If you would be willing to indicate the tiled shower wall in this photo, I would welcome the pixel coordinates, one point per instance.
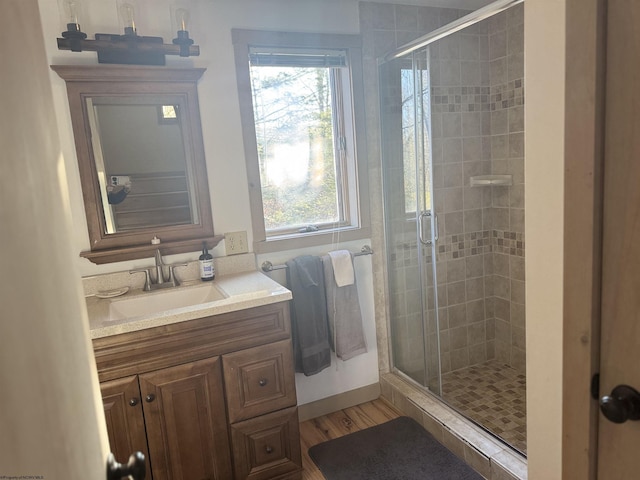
(462, 149)
(506, 287)
(478, 128)
(477, 124)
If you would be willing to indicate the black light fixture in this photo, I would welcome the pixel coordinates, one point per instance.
(129, 48)
(181, 17)
(71, 11)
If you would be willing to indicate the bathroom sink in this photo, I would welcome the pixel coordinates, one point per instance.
(162, 301)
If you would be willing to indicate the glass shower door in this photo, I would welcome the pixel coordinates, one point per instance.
(409, 223)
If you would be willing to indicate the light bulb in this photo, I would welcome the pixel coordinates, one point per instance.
(71, 12)
(182, 18)
(127, 13)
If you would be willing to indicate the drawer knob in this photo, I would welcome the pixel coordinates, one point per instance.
(262, 382)
(150, 398)
(133, 402)
(268, 449)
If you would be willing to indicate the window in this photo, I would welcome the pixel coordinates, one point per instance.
(301, 142)
(416, 139)
(168, 113)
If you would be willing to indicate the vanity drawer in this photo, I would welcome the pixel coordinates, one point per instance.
(164, 346)
(259, 380)
(267, 447)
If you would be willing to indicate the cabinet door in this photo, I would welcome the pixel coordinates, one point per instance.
(186, 423)
(125, 423)
(259, 380)
(268, 446)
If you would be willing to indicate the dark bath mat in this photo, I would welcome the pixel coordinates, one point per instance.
(397, 450)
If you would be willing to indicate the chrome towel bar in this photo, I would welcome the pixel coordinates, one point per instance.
(267, 266)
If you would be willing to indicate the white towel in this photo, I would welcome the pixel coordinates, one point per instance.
(342, 267)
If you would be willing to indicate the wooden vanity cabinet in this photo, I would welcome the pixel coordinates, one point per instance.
(259, 381)
(178, 413)
(219, 409)
(268, 446)
(124, 417)
(185, 421)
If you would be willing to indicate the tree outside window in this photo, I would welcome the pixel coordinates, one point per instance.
(296, 146)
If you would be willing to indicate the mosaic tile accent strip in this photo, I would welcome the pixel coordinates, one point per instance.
(464, 245)
(510, 94)
(460, 99)
(511, 243)
(478, 243)
(492, 395)
(451, 247)
(404, 254)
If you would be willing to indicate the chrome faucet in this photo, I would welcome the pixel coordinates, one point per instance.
(159, 268)
(159, 280)
(147, 279)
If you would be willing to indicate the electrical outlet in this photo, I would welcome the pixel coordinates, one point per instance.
(235, 242)
(120, 180)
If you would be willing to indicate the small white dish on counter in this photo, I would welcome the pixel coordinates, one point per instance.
(116, 292)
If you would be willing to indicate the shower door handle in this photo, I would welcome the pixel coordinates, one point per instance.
(435, 228)
(422, 215)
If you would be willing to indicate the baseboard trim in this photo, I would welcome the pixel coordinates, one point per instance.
(334, 403)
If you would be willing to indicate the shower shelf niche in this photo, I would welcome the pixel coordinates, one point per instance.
(491, 180)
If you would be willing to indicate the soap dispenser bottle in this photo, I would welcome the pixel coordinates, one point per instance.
(207, 272)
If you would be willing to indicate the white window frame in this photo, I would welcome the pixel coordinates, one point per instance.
(356, 225)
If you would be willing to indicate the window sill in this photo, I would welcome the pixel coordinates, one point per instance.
(311, 239)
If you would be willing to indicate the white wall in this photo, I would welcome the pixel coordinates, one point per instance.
(462, 4)
(134, 142)
(544, 203)
(51, 422)
(356, 372)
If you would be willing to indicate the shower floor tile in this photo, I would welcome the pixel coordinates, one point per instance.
(494, 396)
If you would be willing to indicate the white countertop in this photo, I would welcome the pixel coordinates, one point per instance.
(243, 290)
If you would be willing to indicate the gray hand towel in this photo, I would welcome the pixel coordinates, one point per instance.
(310, 330)
(345, 318)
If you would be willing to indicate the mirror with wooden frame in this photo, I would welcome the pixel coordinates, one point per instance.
(141, 158)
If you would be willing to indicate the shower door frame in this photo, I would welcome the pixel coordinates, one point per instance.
(420, 76)
(424, 187)
(387, 187)
(419, 44)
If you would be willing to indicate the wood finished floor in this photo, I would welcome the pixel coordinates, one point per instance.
(340, 423)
